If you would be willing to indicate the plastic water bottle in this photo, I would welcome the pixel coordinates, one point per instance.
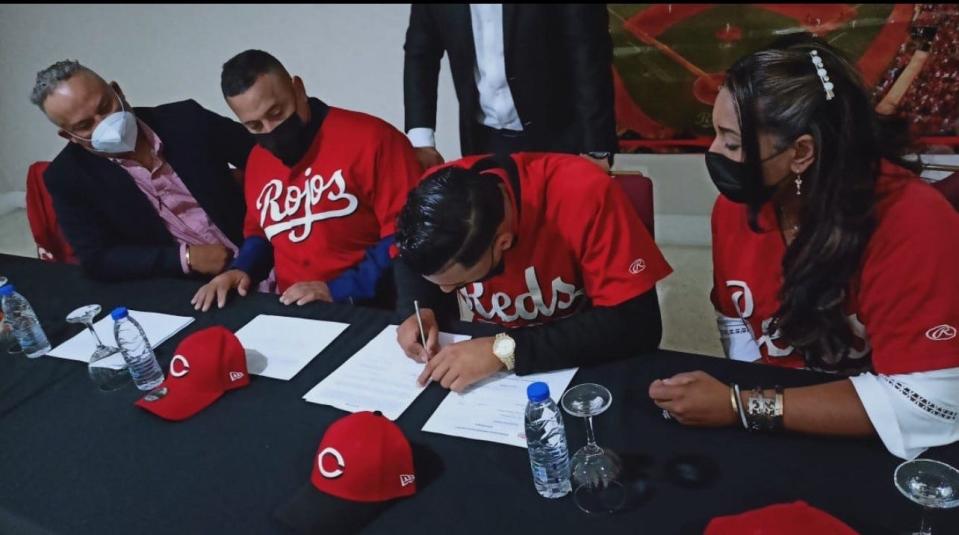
(546, 443)
(23, 320)
(136, 349)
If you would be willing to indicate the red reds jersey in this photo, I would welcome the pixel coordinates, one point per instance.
(577, 238)
(342, 198)
(903, 306)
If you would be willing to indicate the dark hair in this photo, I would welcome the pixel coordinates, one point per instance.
(777, 91)
(242, 70)
(451, 217)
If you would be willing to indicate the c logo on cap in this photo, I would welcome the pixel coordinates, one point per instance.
(340, 463)
(183, 362)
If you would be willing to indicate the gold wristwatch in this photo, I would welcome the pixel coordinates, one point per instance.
(504, 347)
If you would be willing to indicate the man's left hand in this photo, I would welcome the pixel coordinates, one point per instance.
(209, 259)
(302, 293)
(459, 365)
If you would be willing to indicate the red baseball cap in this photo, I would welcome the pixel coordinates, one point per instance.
(796, 518)
(205, 365)
(362, 465)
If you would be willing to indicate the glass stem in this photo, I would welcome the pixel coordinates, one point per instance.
(94, 332)
(591, 446)
(925, 528)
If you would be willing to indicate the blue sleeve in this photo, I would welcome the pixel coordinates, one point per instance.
(255, 257)
(360, 282)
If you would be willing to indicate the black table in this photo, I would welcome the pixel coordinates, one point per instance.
(77, 460)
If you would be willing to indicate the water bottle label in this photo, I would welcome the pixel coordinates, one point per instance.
(539, 473)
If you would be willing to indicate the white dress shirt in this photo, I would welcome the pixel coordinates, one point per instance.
(497, 109)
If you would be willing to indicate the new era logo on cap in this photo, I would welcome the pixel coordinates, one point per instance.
(364, 457)
(205, 365)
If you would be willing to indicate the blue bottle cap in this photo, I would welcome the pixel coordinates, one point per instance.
(119, 313)
(6, 290)
(537, 391)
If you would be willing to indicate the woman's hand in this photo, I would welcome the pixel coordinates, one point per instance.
(695, 398)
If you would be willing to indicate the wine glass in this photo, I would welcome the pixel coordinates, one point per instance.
(107, 368)
(929, 483)
(594, 470)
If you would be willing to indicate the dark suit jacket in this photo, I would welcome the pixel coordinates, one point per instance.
(558, 66)
(115, 231)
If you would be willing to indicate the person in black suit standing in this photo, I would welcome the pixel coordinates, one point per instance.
(528, 77)
(141, 192)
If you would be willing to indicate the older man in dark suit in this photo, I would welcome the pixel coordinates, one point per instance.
(141, 192)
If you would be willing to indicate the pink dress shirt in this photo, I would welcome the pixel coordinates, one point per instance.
(183, 216)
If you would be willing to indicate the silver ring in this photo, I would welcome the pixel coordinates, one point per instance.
(666, 415)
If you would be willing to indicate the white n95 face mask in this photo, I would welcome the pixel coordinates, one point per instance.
(116, 133)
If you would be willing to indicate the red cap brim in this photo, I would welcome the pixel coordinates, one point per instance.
(178, 403)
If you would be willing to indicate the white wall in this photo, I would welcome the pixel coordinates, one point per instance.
(350, 56)
(683, 195)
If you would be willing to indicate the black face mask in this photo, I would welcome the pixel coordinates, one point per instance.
(288, 141)
(736, 180)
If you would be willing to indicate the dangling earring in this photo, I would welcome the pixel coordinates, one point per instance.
(798, 185)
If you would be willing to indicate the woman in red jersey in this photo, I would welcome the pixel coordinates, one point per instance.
(827, 254)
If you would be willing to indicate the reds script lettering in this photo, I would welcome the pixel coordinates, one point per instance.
(527, 305)
(313, 192)
(742, 298)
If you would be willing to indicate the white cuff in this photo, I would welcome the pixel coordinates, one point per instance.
(737, 339)
(421, 137)
(913, 411)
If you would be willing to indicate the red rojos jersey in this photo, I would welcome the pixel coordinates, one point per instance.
(903, 306)
(342, 198)
(577, 238)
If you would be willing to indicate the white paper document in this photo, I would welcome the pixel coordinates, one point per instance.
(158, 328)
(279, 347)
(494, 409)
(379, 377)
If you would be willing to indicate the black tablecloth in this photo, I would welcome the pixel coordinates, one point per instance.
(77, 460)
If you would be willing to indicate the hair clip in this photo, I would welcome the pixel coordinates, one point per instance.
(823, 75)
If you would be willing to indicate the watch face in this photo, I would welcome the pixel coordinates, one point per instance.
(504, 346)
